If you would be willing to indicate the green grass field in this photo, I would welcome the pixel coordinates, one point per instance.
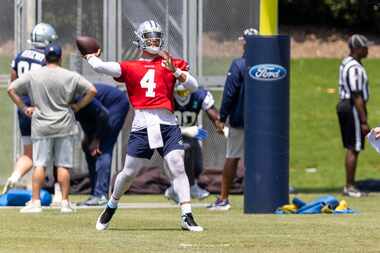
(315, 143)
(157, 230)
(314, 134)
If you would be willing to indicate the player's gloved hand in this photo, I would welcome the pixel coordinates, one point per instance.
(194, 132)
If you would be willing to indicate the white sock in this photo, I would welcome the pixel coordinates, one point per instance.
(185, 208)
(57, 189)
(15, 176)
(112, 202)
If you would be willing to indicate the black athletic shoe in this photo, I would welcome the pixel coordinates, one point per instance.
(105, 218)
(188, 223)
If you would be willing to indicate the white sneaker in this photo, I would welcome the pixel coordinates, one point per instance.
(352, 191)
(33, 206)
(220, 205)
(171, 194)
(197, 192)
(66, 207)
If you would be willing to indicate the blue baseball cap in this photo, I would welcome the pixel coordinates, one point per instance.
(53, 52)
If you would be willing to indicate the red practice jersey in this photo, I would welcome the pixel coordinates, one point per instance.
(149, 83)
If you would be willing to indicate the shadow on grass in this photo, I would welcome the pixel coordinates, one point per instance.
(145, 229)
(367, 185)
(332, 190)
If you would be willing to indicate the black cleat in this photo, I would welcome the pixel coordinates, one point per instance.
(188, 223)
(105, 218)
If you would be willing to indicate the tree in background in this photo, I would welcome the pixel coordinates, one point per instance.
(352, 14)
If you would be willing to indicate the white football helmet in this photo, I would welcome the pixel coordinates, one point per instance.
(42, 35)
(147, 31)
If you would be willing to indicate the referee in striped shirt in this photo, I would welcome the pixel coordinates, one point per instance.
(352, 109)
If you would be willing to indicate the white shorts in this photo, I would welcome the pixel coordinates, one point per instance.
(58, 151)
(235, 143)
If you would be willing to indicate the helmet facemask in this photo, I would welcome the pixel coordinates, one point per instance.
(149, 37)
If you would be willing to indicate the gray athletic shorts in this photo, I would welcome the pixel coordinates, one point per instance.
(58, 151)
(235, 143)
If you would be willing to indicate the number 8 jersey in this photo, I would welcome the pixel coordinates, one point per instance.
(150, 85)
(28, 60)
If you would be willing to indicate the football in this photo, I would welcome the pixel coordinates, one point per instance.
(87, 45)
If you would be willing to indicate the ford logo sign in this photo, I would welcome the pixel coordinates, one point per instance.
(267, 72)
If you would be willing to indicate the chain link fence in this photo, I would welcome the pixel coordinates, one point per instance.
(204, 32)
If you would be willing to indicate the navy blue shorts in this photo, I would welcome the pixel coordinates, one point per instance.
(138, 145)
(24, 122)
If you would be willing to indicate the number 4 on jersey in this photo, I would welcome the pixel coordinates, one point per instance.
(147, 82)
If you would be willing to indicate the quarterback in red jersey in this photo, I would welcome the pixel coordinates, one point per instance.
(150, 82)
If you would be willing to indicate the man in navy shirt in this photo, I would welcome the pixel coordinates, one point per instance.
(187, 107)
(30, 59)
(232, 109)
(101, 122)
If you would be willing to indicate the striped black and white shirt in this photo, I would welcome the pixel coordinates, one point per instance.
(352, 78)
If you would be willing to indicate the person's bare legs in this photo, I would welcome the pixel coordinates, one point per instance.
(37, 180)
(229, 172)
(350, 163)
(23, 165)
(63, 177)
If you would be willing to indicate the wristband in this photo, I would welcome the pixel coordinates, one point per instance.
(177, 73)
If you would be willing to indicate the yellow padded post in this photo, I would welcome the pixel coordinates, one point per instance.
(268, 17)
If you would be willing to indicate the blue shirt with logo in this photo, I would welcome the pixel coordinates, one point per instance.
(233, 94)
(187, 114)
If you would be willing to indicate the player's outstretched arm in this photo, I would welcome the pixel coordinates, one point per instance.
(98, 65)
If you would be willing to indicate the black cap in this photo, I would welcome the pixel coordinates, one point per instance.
(53, 52)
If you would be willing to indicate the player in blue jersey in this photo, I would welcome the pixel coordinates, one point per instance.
(25, 61)
(187, 107)
(101, 121)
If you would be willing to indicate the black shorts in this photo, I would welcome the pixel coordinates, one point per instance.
(138, 144)
(349, 122)
(24, 122)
